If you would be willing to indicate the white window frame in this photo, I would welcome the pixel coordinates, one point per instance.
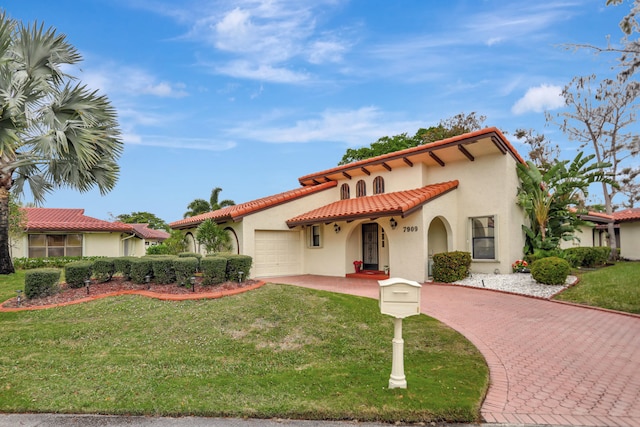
(314, 236)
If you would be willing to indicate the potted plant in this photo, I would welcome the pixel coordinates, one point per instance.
(520, 266)
(357, 265)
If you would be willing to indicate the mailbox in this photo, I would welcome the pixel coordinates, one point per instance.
(399, 298)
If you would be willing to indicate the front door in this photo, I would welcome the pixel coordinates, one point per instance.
(370, 246)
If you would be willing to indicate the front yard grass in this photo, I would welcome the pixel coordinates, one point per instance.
(616, 287)
(279, 351)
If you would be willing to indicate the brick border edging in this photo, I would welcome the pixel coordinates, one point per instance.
(150, 294)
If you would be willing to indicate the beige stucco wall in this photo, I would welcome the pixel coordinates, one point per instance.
(585, 235)
(630, 240)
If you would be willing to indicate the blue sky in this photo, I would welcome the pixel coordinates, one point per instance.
(250, 95)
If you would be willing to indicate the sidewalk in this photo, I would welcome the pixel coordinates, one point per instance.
(550, 363)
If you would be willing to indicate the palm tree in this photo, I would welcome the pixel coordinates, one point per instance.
(200, 206)
(53, 132)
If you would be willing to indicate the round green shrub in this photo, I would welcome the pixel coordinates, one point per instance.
(41, 282)
(550, 271)
(77, 272)
(451, 266)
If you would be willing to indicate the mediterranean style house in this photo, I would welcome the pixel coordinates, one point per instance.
(392, 212)
(629, 223)
(50, 232)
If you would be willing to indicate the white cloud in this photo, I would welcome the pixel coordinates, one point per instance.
(539, 99)
(262, 72)
(353, 127)
(178, 142)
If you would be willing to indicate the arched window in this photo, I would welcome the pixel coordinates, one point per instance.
(361, 189)
(378, 185)
(345, 193)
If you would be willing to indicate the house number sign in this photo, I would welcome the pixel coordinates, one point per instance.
(411, 229)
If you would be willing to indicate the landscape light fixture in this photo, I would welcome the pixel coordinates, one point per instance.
(19, 297)
(87, 282)
(147, 280)
(193, 283)
(240, 273)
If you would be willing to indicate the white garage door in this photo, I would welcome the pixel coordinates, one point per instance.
(278, 253)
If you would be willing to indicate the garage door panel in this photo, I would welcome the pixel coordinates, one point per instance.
(278, 253)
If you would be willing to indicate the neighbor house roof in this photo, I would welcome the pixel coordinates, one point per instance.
(627, 215)
(400, 203)
(464, 147)
(236, 212)
(144, 232)
(59, 219)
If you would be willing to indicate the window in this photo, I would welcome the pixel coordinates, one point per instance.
(53, 245)
(483, 237)
(378, 185)
(361, 189)
(345, 193)
(314, 236)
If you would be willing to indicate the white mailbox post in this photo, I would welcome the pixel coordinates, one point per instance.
(399, 298)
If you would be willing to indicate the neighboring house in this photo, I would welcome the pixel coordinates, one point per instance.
(593, 234)
(395, 210)
(629, 222)
(50, 232)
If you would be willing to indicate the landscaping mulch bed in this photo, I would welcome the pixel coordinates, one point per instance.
(116, 284)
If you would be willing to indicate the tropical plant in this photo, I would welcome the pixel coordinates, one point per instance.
(200, 206)
(54, 132)
(551, 199)
(213, 238)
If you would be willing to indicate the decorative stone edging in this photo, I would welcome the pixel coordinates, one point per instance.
(150, 294)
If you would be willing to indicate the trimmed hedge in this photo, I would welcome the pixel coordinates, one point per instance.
(41, 282)
(587, 256)
(140, 268)
(77, 272)
(185, 268)
(50, 262)
(103, 269)
(122, 265)
(451, 266)
(237, 264)
(163, 270)
(550, 271)
(213, 270)
(195, 255)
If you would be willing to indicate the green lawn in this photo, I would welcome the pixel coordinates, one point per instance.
(616, 287)
(279, 351)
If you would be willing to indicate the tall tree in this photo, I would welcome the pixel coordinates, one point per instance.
(200, 206)
(53, 132)
(597, 119)
(541, 151)
(143, 218)
(457, 125)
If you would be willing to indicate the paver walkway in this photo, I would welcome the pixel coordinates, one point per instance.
(550, 363)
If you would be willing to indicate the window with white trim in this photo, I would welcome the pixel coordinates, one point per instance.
(483, 244)
(315, 236)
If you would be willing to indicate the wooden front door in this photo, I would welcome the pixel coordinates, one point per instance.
(370, 246)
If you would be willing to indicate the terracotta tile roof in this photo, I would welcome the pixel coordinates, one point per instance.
(55, 219)
(144, 232)
(399, 203)
(455, 144)
(627, 215)
(236, 212)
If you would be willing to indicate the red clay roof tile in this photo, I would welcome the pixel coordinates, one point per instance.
(144, 232)
(627, 215)
(235, 212)
(56, 219)
(398, 203)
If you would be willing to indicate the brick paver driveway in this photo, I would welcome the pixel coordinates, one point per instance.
(550, 363)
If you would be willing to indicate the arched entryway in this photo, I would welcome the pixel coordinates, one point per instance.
(437, 239)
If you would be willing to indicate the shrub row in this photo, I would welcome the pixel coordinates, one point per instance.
(163, 269)
(51, 262)
(587, 257)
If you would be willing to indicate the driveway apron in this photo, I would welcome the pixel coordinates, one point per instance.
(550, 363)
